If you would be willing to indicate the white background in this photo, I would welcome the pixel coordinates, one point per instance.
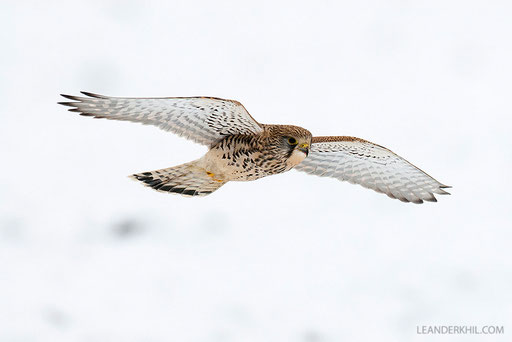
(88, 255)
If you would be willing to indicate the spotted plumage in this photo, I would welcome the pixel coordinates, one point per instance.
(241, 149)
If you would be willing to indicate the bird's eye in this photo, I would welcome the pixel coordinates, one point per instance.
(292, 141)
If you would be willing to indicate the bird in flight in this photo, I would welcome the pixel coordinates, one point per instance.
(241, 149)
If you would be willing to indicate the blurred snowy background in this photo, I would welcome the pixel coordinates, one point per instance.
(88, 255)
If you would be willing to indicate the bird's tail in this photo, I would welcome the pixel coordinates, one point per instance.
(186, 179)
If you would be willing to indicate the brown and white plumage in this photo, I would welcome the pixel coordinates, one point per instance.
(204, 120)
(241, 149)
(375, 167)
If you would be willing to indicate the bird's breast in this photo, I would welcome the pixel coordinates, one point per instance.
(240, 162)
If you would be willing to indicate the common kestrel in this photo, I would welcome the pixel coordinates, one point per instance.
(241, 149)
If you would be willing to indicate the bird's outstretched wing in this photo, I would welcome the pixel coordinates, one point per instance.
(202, 119)
(375, 167)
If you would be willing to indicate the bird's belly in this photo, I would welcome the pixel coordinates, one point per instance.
(226, 166)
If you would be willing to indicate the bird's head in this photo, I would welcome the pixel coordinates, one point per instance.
(291, 142)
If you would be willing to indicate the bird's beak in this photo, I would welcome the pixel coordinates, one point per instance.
(304, 148)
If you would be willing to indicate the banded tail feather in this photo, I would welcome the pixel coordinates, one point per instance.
(186, 179)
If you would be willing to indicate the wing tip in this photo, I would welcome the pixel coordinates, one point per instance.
(98, 96)
(70, 97)
(430, 199)
(81, 99)
(68, 104)
(440, 191)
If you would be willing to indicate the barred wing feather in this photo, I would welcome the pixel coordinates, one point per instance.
(202, 119)
(361, 162)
